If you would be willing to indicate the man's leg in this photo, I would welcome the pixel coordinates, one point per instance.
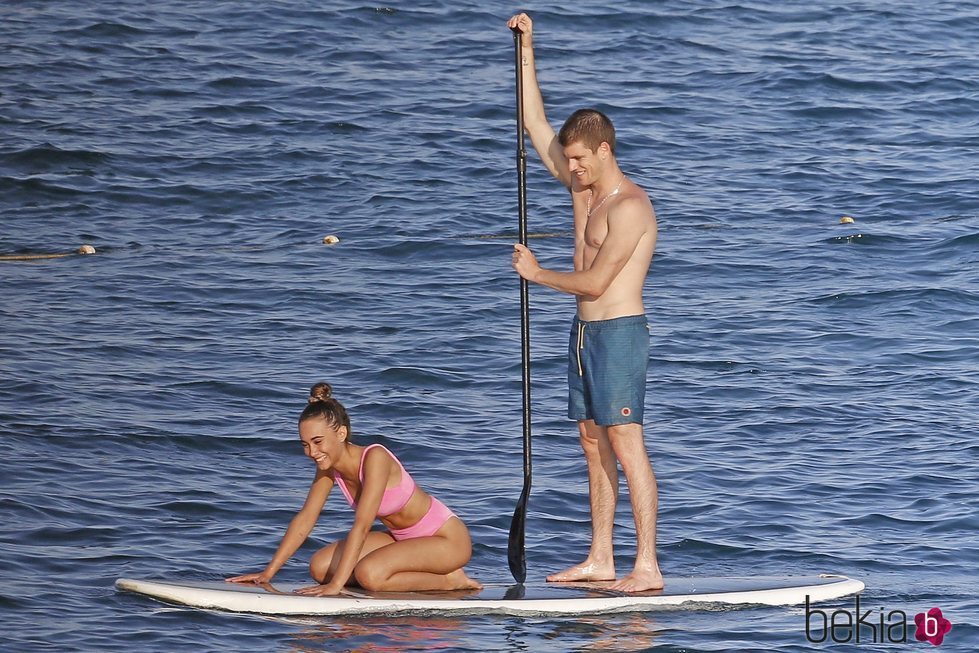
(630, 449)
(603, 491)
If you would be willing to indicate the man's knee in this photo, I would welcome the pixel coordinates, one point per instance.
(626, 433)
(591, 436)
(628, 443)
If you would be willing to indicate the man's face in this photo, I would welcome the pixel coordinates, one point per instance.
(585, 165)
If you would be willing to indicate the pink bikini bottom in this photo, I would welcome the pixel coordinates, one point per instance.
(428, 525)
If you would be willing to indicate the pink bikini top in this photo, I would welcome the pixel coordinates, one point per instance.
(394, 499)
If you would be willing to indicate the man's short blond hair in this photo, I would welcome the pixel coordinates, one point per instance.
(590, 127)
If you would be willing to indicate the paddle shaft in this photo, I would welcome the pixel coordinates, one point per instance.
(516, 555)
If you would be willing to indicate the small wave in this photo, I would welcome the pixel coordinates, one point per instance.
(47, 157)
(836, 113)
(855, 299)
(689, 546)
(868, 239)
(861, 86)
(237, 83)
(104, 29)
(247, 108)
(415, 377)
(966, 242)
(35, 188)
(65, 535)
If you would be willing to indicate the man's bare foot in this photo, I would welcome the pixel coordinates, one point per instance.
(458, 580)
(586, 571)
(639, 581)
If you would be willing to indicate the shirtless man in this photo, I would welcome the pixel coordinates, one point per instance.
(615, 236)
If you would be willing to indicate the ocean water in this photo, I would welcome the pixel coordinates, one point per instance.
(811, 394)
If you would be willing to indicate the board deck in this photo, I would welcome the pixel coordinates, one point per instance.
(535, 599)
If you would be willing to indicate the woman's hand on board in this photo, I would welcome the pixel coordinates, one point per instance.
(259, 578)
(329, 589)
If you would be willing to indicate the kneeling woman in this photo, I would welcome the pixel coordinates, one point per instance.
(425, 546)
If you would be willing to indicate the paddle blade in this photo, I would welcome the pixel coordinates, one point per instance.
(516, 556)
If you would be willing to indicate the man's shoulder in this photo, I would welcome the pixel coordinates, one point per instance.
(635, 190)
(634, 203)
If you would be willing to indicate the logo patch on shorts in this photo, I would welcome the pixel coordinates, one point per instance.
(626, 411)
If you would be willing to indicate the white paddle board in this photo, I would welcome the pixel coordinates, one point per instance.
(548, 599)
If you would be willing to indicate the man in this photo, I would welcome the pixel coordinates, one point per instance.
(615, 236)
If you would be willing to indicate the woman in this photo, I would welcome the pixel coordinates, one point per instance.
(425, 546)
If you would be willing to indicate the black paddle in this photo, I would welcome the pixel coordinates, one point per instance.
(516, 555)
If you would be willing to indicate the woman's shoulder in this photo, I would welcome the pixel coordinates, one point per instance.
(378, 455)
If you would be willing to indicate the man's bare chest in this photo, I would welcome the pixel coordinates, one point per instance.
(594, 231)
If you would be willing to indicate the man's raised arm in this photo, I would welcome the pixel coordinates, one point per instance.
(535, 121)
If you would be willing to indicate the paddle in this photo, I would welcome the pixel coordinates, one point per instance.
(516, 555)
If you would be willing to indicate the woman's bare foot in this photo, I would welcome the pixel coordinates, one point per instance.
(586, 571)
(458, 580)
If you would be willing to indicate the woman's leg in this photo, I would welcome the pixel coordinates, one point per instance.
(324, 562)
(421, 563)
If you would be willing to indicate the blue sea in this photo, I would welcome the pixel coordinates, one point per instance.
(812, 388)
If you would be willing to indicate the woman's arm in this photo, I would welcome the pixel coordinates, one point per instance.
(378, 466)
(299, 529)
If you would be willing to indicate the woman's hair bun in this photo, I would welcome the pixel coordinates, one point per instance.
(322, 405)
(320, 392)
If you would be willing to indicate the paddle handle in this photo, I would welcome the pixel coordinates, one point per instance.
(524, 285)
(516, 551)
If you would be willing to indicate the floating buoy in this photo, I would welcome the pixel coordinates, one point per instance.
(86, 249)
(847, 220)
(330, 240)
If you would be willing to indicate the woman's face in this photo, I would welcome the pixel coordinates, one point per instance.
(322, 442)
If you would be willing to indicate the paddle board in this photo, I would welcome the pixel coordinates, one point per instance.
(531, 599)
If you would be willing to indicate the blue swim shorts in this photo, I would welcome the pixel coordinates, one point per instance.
(607, 362)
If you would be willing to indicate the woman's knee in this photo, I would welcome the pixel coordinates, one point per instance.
(370, 577)
(457, 544)
(321, 563)
(319, 570)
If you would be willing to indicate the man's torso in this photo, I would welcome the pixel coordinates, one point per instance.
(624, 295)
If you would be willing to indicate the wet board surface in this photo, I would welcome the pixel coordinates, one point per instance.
(537, 599)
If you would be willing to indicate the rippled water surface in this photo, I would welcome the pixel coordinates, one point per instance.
(812, 386)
